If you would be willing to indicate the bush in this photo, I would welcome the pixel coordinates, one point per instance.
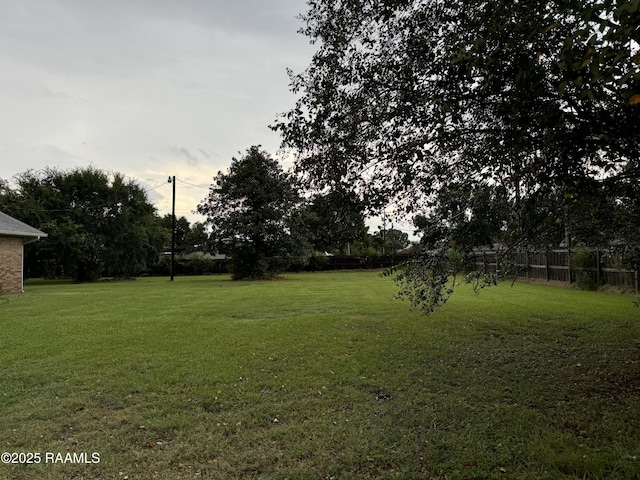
(196, 263)
(318, 262)
(582, 263)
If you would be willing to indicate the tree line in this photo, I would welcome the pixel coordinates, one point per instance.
(102, 224)
(97, 223)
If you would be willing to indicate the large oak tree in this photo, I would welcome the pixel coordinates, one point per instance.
(530, 103)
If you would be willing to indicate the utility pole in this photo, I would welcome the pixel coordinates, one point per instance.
(393, 246)
(384, 232)
(172, 180)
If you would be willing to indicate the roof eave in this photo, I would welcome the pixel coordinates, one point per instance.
(26, 240)
(27, 237)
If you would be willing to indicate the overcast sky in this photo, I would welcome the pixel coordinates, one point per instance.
(148, 88)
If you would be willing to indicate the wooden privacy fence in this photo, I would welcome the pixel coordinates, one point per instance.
(599, 265)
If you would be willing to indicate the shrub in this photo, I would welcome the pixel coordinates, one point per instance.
(582, 263)
(318, 262)
(196, 263)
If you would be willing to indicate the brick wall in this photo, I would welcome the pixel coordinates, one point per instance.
(11, 264)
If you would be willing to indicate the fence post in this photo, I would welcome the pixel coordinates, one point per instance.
(546, 264)
(598, 267)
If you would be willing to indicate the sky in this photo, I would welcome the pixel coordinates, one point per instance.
(147, 88)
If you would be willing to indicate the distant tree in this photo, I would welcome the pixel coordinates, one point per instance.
(336, 219)
(97, 223)
(391, 240)
(189, 237)
(198, 238)
(466, 214)
(182, 229)
(253, 212)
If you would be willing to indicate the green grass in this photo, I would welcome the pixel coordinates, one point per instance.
(318, 376)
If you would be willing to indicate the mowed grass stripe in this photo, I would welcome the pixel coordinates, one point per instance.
(319, 376)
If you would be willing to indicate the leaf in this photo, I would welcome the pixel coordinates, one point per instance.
(562, 87)
(635, 99)
(625, 78)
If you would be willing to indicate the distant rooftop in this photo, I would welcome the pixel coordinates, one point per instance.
(16, 228)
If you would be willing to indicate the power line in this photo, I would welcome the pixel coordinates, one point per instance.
(155, 188)
(192, 184)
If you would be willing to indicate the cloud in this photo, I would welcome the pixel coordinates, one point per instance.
(206, 154)
(148, 88)
(44, 92)
(191, 159)
(22, 155)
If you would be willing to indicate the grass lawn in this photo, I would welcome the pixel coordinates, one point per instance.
(317, 376)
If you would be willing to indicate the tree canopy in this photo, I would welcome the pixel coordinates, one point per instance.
(404, 97)
(254, 216)
(189, 237)
(391, 241)
(97, 223)
(336, 219)
(462, 110)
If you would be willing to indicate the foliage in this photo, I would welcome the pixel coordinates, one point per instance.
(198, 263)
(181, 231)
(189, 237)
(391, 240)
(336, 219)
(466, 214)
(366, 247)
(318, 262)
(254, 215)
(459, 110)
(97, 223)
(195, 263)
(582, 263)
(428, 278)
(198, 238)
